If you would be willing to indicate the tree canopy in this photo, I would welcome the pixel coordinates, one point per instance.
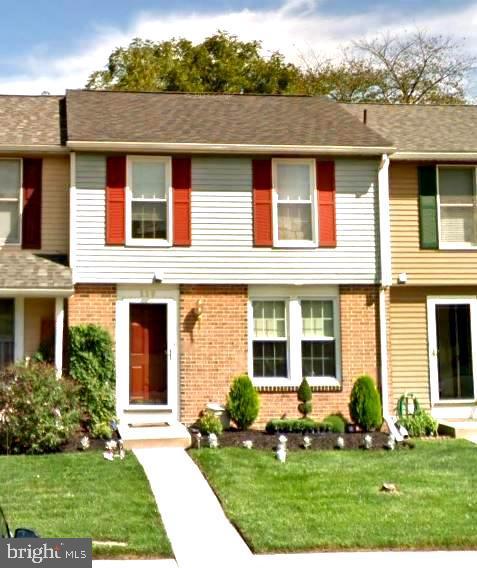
(415, 68)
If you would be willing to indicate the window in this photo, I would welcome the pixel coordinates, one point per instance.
(10, 187)
(318, 339)
(294, 338)
(457, 206)
(148, 196)
(269, 339)
(294, 202)
(7, 324)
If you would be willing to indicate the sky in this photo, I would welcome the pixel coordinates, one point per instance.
(53, 45)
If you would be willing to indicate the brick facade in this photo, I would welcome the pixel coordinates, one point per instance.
(212, 354)
(213, 350)
(93, 303)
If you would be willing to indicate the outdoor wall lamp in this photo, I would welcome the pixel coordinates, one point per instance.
(199, 310)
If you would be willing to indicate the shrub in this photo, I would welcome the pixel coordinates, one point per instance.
(208, 423)
(298, 426)
(92, 367)
(419, 424)
(38, 411)
(304, 396)
(365, 404)
(243, 402)
(337, 423)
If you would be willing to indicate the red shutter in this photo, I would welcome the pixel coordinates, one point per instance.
(181, 193)
(325, 175)
(31, 215)
(262, 202)
(115, 200)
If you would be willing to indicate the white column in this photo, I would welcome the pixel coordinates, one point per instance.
(19, 329)
(59, 325)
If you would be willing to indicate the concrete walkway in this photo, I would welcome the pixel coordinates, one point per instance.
(200, 534)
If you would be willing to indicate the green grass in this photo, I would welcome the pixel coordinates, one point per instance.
(83, 495)
(330, 500)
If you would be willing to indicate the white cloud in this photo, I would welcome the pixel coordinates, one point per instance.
(296, 27)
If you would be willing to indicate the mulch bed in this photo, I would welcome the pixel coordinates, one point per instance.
(323, 441)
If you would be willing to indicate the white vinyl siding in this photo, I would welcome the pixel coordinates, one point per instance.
(222, 248)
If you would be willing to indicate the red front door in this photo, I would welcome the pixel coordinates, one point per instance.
(148, 354)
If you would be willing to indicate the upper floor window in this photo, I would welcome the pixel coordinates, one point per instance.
(148, 208)
(10, 191)
(295, 202)
(457, 206)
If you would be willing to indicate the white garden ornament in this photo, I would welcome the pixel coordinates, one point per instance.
(368, 442)
(281, 454)
(306, 442)
(247, 444)
(213, 441)
(391, 442)
(84, 443)
(340, 443)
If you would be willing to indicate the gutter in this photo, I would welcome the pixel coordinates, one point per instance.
(199, 148)
(435, 156)
(33, 149)
(37, 292)
(386, 281)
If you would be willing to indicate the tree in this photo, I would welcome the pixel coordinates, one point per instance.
(415, 68)
(221, 63)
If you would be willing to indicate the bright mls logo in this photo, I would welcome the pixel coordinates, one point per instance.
(46, 552)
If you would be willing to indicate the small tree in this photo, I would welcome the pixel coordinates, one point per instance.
(92, 367)
(304, 396)
(243, 402)
(365, 405)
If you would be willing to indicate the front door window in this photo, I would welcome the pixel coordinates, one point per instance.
(454, 351)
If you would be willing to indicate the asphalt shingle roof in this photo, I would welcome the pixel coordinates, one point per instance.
(111, 116)
(422, 128)
(31, 120)
(22, 269)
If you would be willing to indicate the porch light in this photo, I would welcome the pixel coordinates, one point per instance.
(199, 310)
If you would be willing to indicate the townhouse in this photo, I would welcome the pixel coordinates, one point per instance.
(35, 278)
(220, 234)
(433, 296)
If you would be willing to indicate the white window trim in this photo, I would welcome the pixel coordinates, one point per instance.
(294, 338)
(442, 244)
(314, 204)
(3, 242)
(167, 161)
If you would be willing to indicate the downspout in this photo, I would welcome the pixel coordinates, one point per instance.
(386, 279)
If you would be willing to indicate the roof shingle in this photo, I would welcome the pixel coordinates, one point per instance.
(422, 128)
(111, 116)
(31, 120)
(25, 270)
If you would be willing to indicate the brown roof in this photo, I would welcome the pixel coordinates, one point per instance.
(22, 269)
(422, 128)
(213, 119)
(31, 120)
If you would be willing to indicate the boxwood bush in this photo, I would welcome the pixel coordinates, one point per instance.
(92, 367)
(243, 402)
(38, 411)
(337, 423)
(296, 426)
(365, 405)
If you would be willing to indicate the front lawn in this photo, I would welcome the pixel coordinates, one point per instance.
(331, 500)
(83, 495)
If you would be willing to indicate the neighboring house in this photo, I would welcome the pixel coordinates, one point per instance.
(433, 206)
(219, 234)
(34, 274)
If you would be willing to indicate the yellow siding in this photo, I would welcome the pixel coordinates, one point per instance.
(55, 210)
(421, 266)
(408, 338)
(35, 310)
